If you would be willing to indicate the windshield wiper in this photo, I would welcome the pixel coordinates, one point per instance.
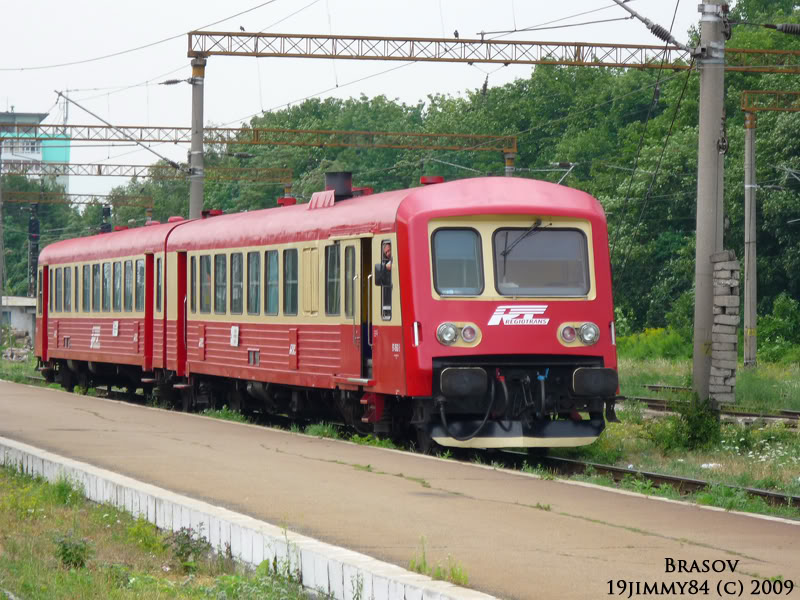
(531, 229)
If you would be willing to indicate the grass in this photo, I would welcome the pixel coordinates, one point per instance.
(54, 544)
(226, 414)
(452, 571)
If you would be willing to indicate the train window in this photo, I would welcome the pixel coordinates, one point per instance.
(77, 292)
(51, 291)
(159, 283)
(237, 283)
(290, 282)
(220, 284)
(541, 262)
(271, 283)
(333, 283)
(87, 285)
(116, 276)
(59, 288)
(205, 284)
(139, 286)
(95, 288)
(253, 283)
(39, 296)
(349, 279)
(128, 286)
(67, 289)
(457, 262)
(106, 287)
(193, 284)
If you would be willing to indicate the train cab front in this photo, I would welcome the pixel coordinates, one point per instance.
(515, 334)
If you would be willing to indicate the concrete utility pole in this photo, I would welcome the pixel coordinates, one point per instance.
(196, 152)
(711, 64)
(750, 272)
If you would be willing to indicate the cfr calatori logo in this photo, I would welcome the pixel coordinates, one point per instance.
(523, 314)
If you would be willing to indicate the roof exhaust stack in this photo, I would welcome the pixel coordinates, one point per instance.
(341, 182)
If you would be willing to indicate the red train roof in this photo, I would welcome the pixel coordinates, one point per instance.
(108, 245)
(366, 214)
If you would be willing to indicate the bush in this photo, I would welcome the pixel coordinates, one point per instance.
(655, 343)
(696, 426)
(779, 332)
(189, 547)
(73, 553)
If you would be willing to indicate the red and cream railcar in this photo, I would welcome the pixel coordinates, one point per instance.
(99, 308)
(476, 312)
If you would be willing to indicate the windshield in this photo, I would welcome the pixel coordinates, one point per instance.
(457, 262)
(541, 262)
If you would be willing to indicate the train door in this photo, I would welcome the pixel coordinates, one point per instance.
(353, 324)
(182, 300)
(42, 310)
(365, 286)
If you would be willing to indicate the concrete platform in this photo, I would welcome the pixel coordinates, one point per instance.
(516, 536)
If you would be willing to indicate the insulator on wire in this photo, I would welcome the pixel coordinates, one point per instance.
(661, 33)
(790, 28)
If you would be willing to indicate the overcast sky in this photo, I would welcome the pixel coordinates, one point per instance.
(123, 89)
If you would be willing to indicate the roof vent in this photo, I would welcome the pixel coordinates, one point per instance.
(211, 212)
(175, 219)
(431, 179)
(341, 182)
(362, 191)
(120, 227)
(149, 223)
(287, 201)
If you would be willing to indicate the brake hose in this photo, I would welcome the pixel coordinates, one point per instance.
(466, 438)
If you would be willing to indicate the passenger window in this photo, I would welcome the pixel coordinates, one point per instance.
(253, 283)
(139, 295)
(39, 295)
(95, 288)
(271, 307)
(193, 285)
(59, 289)
(117, 284)
(205, 284)
(106, 287)
(67, 289)
(237, 283)
(159, 283)
(87, 288)
(220, 284)
(290, 282)
(349, 279)
(333, 289)
(128, 285)
(386, 280)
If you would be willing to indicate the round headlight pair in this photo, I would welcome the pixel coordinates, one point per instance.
(447, 333)
(588, 333)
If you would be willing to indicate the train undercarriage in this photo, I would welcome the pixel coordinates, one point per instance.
(477, 402)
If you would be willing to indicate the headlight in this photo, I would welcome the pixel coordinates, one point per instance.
(568, 334)
(447, 333)
(469, 333)
(589, 333)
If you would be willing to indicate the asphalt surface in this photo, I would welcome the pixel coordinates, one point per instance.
(515, 536)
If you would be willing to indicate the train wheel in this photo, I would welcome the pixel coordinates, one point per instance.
(67, 378)
(425, 443)
(186, 400)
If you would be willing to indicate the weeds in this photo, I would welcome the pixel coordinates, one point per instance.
(226, 414)
(189, 547)
(452, 572)
(371, 440)
(72, 552)
(323, 430)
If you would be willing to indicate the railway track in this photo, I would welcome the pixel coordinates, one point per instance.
(790, 417)
(569, 467)
(684, 485)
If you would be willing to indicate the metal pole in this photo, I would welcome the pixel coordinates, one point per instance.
(2, 245)
(510, 156)
(750, 268)
(196, 153)
(711, 64)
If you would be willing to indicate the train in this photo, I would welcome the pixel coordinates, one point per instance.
(473, 313)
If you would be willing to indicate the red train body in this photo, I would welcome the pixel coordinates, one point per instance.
(477, 312)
